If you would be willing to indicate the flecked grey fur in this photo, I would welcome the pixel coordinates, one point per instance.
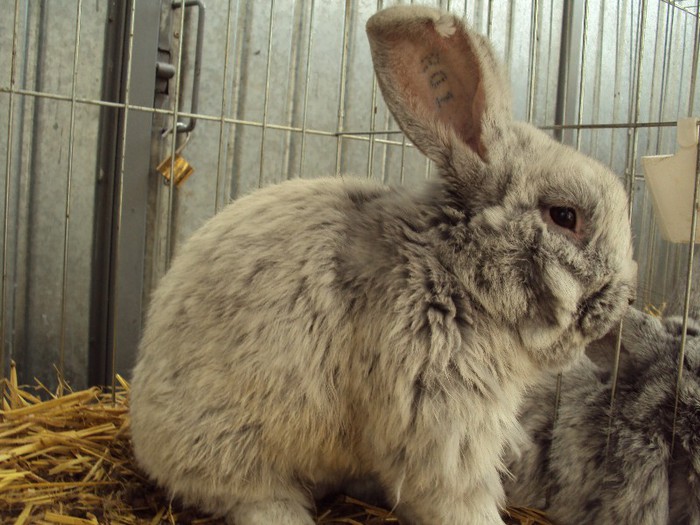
(320, 332)
(563, 469)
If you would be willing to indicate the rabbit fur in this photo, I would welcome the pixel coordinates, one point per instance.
(320, 332)
(562, 468)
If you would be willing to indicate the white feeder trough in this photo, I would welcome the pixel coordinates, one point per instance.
(671, 181)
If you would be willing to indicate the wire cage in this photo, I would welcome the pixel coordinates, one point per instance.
(127, 124)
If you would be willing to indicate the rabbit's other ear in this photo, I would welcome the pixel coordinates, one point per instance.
(441, 82)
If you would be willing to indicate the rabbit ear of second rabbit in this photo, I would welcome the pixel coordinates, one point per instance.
(431, 71)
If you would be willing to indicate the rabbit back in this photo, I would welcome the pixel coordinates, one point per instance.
(284, 357)
(561, 467)
(215, 388)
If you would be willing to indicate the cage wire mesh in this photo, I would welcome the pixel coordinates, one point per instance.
(284, 89)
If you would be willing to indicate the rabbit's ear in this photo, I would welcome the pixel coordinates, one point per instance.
(440, 80)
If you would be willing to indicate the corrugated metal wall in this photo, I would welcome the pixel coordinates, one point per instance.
(47, 255)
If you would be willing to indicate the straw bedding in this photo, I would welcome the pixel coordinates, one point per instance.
(65, 458)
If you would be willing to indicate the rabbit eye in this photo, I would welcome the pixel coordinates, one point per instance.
(564, 217)
(564, 220)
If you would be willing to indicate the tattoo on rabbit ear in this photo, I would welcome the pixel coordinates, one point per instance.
(438, 80)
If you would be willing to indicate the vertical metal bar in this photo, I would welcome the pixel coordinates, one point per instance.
(656, 46)
(427, 160)
(613, 392)
(644, 236)
(343, 74)
(120, 196)
(224, 102)
(631, 166)
(550, 46)
(199, 45)
(293, 78)
(373, 117)
(402, 171)
(664, 68)
(532, 70)
(489, 22)
(387, 119)
(173, 141)
(403, 159)
(569, 66)
(557, 398)
(652, 237)
(267, 93)
(688, 287)
(651, 256)
(372, 120)
(18, 240)
(636, 87)
(8, 173)
(105, 192)
(306, 90)
(581, 86)
(694, 67)
(385, 151)
(555, 417)
(678, 252)
(240, 71)
(132, 164)
(619, 49)
(664, 285)
(683, 67)
(509, 37)
(66, 231)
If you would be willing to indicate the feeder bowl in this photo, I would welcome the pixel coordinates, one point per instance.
(671, 181)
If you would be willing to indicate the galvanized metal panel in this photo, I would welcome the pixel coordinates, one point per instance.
(49, 274)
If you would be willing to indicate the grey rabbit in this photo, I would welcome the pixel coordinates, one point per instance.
(563, 469)
(318, 333)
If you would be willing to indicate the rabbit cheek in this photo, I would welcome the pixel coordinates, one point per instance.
(557, 293)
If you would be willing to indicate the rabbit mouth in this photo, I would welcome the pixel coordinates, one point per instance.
(598, 312)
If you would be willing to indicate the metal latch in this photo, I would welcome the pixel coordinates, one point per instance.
(183, 127)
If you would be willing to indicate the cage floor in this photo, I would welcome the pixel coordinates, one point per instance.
(65, 458)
